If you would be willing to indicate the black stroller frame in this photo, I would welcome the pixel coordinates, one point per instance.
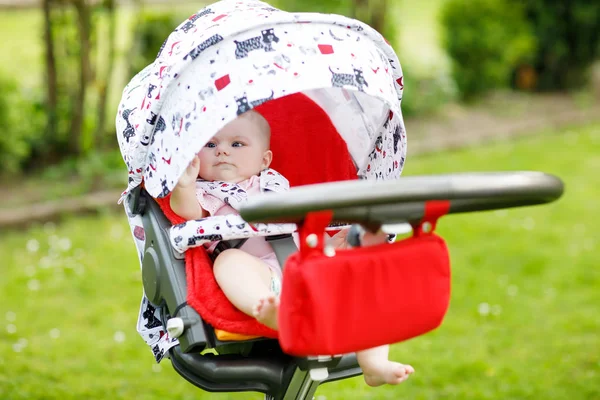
(259, 365)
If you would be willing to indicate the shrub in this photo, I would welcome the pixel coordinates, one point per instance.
(426, 90)
(151, 30)
(568, 33)
(486, 40)
(23, 119)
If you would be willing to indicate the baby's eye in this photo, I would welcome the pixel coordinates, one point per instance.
(210, 145)
(237, 144)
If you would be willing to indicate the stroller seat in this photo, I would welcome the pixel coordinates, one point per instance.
(296, 123)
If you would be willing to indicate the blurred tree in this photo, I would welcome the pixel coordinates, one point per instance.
(150, 31)
(103, 81)
(75, 142)
(371, 12)
(568, 32)
(77, 74)
(486, 41)
(51, 79)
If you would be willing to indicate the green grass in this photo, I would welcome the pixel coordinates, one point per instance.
(69, 296)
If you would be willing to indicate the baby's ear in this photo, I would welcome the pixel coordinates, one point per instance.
(267, 158)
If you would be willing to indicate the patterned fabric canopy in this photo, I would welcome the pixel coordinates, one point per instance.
(232, 56)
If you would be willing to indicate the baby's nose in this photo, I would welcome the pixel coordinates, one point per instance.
(222, 149)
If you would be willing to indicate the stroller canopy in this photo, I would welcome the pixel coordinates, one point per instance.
(233, 56)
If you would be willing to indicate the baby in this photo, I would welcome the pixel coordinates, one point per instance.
(250, 276)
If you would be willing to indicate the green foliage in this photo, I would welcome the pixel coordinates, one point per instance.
(426, 90)
(23, 121)
(569, 40)
(151, 30)
(486, 40)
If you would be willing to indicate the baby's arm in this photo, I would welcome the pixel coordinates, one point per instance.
(183, 199)
(339, 240)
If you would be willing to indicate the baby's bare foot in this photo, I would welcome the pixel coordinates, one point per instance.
(389, 372)
(266, 311)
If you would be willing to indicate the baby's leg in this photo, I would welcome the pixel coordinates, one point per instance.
(378, 370)
(244, 279)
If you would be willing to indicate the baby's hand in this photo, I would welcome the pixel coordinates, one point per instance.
(190, 174)
(338, 240)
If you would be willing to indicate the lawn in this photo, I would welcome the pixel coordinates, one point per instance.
(524, 320)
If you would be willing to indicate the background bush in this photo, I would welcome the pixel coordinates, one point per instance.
(23, 118)
(426, 90)
(568, 34)
(486, 40)
(151, 29)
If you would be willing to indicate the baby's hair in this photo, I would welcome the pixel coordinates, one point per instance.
(263, 124)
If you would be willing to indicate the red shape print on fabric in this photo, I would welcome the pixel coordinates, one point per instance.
(222, 82)
(400, 82)
(325, 48)
(171, 52)
(218, 17)
(160, 72)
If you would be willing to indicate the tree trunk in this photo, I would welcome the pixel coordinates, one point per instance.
(360, 10)
(134, 48)
(370, 12)
(378, 11)
(51, 76)
(83, 24)
(105, 80)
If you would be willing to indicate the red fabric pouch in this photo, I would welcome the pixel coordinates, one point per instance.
(365, 297)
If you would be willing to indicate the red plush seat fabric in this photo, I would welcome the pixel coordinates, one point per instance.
(306, 149)
(306, 146)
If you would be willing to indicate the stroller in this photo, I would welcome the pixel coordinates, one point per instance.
(330, 88)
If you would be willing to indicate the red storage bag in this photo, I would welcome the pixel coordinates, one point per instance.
(362, 298)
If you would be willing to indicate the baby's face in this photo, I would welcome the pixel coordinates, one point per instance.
(237, 152)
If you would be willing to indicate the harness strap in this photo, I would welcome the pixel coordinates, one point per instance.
(226, 245)
(283, 246)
